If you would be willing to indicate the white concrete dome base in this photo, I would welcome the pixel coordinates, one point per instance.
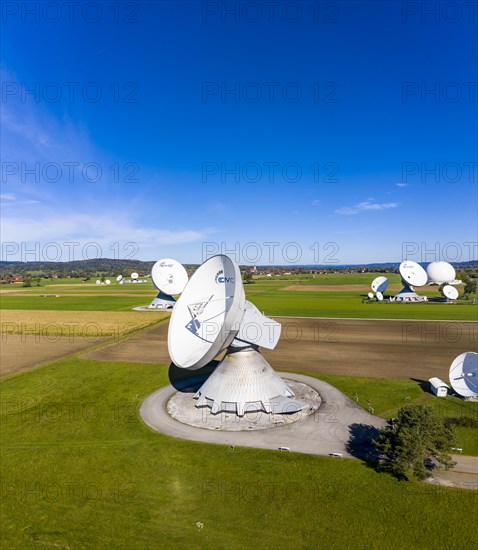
(245, 382)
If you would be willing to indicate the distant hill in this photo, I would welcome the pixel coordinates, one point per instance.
(116, 266)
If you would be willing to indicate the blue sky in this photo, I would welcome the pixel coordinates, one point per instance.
(174, 124)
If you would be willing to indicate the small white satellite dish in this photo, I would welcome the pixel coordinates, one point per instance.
(169, 276)
(379, 284)
(206, 317)
(464, 374)
(119, 278)
(98, 282)
(379, 296)
(121, 282)
(134, 275)
(370, 295)
(440, 272)
(108, 282)
(450, 292)
(413, 273)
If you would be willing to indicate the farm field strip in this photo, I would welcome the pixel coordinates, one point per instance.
(76, 323)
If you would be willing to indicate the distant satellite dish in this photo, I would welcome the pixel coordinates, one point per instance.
(169, 276)
(450, 292)
(440, 272)
(370, 295)
(212, 315)
(134, 275)
(206, 317)
(108, 282)
(379, 296)
(119, 278)
(379, 284)
(121, 282)
(98, 282)
(413, 273)
(464, 374)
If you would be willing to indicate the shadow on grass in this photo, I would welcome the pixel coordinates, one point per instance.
(360, 445)
(189, 381)
(424, 384)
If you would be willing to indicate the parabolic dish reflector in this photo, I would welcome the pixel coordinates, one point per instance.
(134, 275)
(413, 273)
(370, 295)
(108, 282)
(379, 296)
(169, 276)
(440, 272)
(450, 292)
(119, 278)
(98, 282)
(464, 374)
(379, 284)
(208, 314)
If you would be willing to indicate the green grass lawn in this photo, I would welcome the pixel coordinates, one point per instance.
(80, 470)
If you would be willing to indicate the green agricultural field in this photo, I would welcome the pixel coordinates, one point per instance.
(329, 278)
(350, 305)
(80, 470)
(268, 296)
(74, 303)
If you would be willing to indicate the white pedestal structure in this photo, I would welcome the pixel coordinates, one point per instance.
(162, 301)
(245, 382)
(408, 294)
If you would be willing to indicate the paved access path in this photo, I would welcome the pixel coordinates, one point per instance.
(339, 426)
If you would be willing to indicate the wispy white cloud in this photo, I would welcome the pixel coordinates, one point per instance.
(315, 202)
(401, 184)
(105, 229)
(365, 206)
(7, 197)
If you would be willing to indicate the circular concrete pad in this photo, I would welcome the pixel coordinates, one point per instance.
(182, 407)
(339, 425)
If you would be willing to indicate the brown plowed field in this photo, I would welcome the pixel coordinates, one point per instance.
(370, 348)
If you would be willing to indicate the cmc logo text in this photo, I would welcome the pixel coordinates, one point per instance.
(221, 279)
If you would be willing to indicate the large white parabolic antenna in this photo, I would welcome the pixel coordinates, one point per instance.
(119, 278)
(134, 275)
(379, 296)
(440, 272)
(412, 274)
(211, 316)
(379, 284)
(207, 315)
(450, 292)
(169, 277)
(464, 374)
